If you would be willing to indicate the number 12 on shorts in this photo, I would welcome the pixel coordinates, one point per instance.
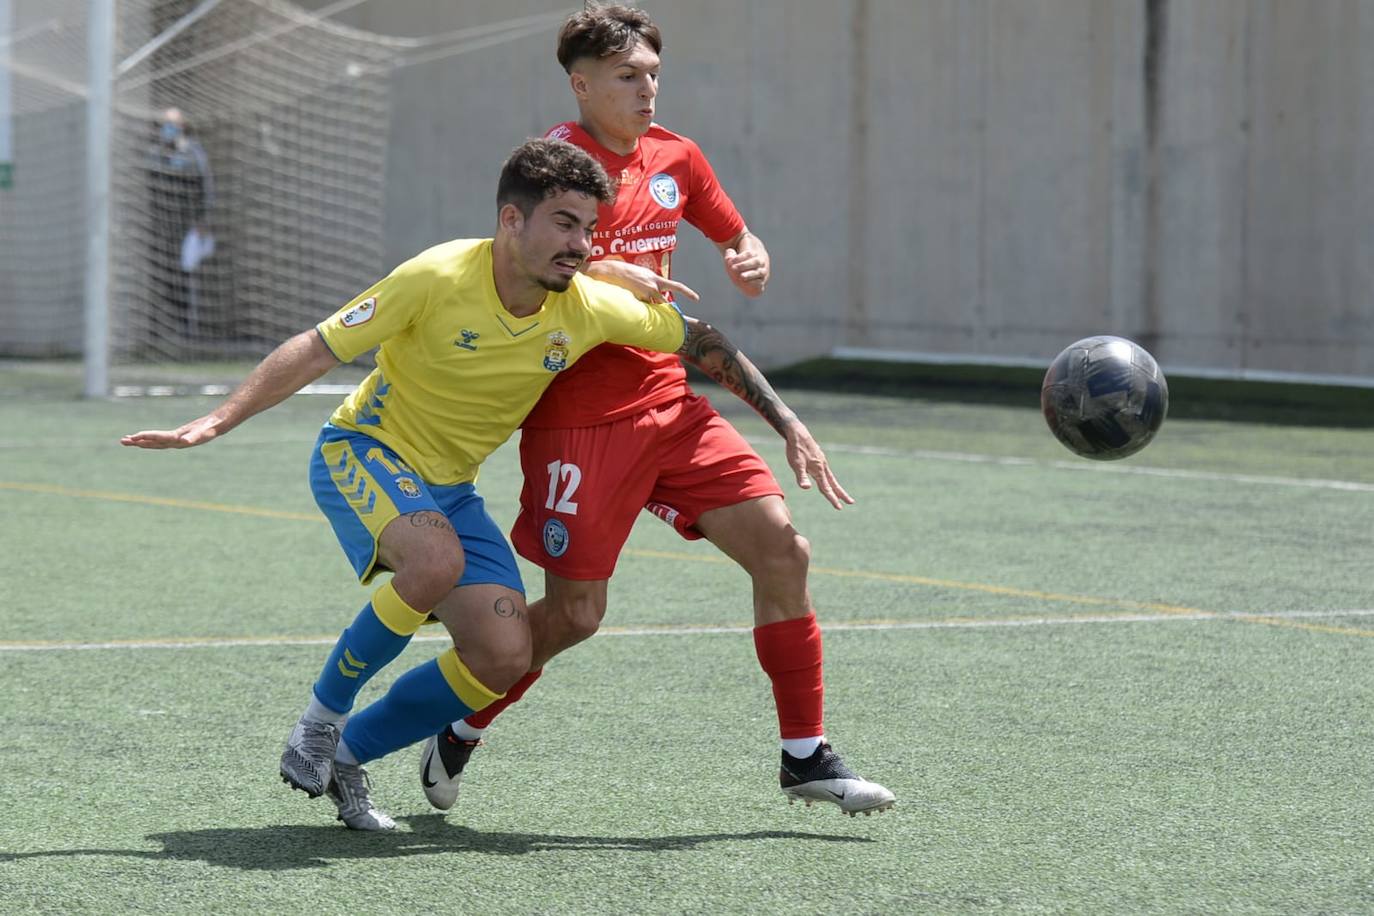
(571, 475)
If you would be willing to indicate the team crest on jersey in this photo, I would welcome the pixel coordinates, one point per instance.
(408, 487)
(561, 132)
(663, 188)
(556, 352)
(555, 538)
(361, 313)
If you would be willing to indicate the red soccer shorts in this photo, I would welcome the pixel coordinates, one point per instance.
(585, 487)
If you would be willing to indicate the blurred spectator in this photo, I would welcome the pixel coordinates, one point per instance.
(182, 193)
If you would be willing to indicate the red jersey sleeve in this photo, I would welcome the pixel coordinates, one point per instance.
(709, 208)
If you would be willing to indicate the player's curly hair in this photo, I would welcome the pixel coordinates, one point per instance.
(541, 168)
(600, 31)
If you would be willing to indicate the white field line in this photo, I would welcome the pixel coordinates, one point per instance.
(214, 391)
(960, 623)
(1092, 466)
(1314, 483)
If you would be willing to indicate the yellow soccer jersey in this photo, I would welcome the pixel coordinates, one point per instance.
(456, 372)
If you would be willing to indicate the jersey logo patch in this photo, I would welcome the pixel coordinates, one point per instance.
(361, 313)
(408, 487)
(467, 340)
(555, 538)
(556, 353)
(561, 132)
(663, 188)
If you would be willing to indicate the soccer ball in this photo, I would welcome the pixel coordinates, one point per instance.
(1104, 398)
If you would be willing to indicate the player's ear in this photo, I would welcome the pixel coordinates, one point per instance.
(510, 218)
(578, 81)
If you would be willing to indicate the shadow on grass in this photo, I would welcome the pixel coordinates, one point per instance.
(288, 847)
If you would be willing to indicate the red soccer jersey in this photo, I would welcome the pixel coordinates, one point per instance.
(665, 180)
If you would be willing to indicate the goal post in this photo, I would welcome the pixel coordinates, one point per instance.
(99, 106)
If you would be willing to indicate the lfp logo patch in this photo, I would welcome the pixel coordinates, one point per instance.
(361, 313)
(555, 538)
(556, 352)
(663, 188)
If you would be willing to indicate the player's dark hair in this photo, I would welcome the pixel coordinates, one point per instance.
(600, 31)
(538, 169)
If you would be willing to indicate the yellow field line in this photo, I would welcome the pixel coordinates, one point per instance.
(1296, 625)
(157, 501)
(208, 641)
(1001, 590)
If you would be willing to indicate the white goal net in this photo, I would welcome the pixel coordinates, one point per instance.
(247, 163)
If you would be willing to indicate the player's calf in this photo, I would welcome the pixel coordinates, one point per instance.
(570, 611)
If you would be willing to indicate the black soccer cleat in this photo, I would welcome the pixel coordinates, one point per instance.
(824, 777)
(441, 766)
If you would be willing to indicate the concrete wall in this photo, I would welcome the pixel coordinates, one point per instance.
(42, 238)
(989, 178)
(763, 87)
(1265, 145)
(979, 177)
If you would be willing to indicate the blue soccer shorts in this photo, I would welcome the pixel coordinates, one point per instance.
(361, 486)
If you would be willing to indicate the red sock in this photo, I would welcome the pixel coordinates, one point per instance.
(482, 718)
(790, 653)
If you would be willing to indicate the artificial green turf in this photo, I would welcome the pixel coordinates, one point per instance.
(1121, 767)
(1041, 764)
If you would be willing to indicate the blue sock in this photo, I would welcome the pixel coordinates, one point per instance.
(419, 704)
(376, 636)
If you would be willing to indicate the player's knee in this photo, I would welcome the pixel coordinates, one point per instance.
(501, 666)
(581, 615)
(425, 581)
(797, 554)
(786, 556)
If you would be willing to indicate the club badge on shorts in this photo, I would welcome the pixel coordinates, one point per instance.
(555, 538)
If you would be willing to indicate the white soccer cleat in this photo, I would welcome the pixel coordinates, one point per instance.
(348, 790)
(308, 760)
(823, 777)
(441, 767)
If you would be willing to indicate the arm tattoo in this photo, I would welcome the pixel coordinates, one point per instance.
(713, 353)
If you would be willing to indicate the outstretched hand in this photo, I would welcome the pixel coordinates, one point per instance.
(643, 282)
(808, 463)
(197, 432)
